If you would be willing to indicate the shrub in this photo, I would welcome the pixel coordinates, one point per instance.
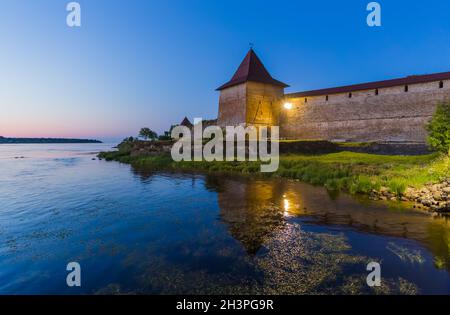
(361, 184)
(439, 129)
(398, 186)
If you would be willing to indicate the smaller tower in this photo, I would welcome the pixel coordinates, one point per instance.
(251, 97)
(186, 123)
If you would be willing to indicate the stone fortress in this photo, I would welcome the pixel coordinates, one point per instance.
(385, 111)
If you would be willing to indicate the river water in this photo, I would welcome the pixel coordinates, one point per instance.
(135, 232)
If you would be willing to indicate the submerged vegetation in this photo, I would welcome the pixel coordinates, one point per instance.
(348, 171)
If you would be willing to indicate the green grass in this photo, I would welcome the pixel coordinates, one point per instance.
(360, 173)
(349, 171)
(354, 144)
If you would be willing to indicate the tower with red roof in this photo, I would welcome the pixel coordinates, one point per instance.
(251, 97)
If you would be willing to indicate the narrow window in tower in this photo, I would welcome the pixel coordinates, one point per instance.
(326, 98)
(350, 95)
(441, 84)
(406, 88)
(306, 100)
(376, 92)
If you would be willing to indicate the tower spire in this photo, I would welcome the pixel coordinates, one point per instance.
(251, 69)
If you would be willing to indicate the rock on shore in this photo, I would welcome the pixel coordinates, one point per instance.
(432, 197)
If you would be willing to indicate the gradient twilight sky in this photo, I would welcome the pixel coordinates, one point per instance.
(150, 63)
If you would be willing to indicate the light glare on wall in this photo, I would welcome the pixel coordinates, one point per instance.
(287, 105)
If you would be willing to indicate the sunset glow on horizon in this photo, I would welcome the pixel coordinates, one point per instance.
(152, 63)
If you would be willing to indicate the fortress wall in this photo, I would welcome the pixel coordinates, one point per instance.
(263, 103)
(232, 106)
(393, 115)
(250, 103)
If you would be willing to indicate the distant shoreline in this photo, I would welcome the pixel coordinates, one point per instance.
(4, 140)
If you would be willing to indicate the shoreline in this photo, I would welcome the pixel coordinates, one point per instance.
(421, 179)
(4, 140)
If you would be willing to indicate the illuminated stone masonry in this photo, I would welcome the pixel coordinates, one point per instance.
(391, 110)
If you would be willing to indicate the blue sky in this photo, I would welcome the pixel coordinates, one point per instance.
(150, 63)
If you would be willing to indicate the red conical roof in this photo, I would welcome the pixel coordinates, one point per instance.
(186, 123)
(251, 69)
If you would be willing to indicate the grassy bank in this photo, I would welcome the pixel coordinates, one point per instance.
(353, 172)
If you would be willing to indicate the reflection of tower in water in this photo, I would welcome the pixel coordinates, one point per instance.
(254, 210)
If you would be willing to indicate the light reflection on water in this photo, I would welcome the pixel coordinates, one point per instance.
(135, 232)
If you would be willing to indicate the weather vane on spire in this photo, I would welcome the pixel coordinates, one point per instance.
(251, 45)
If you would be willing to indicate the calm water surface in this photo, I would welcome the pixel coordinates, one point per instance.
(135, 232)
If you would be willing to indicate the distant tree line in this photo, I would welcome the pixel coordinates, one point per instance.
(148, 134)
